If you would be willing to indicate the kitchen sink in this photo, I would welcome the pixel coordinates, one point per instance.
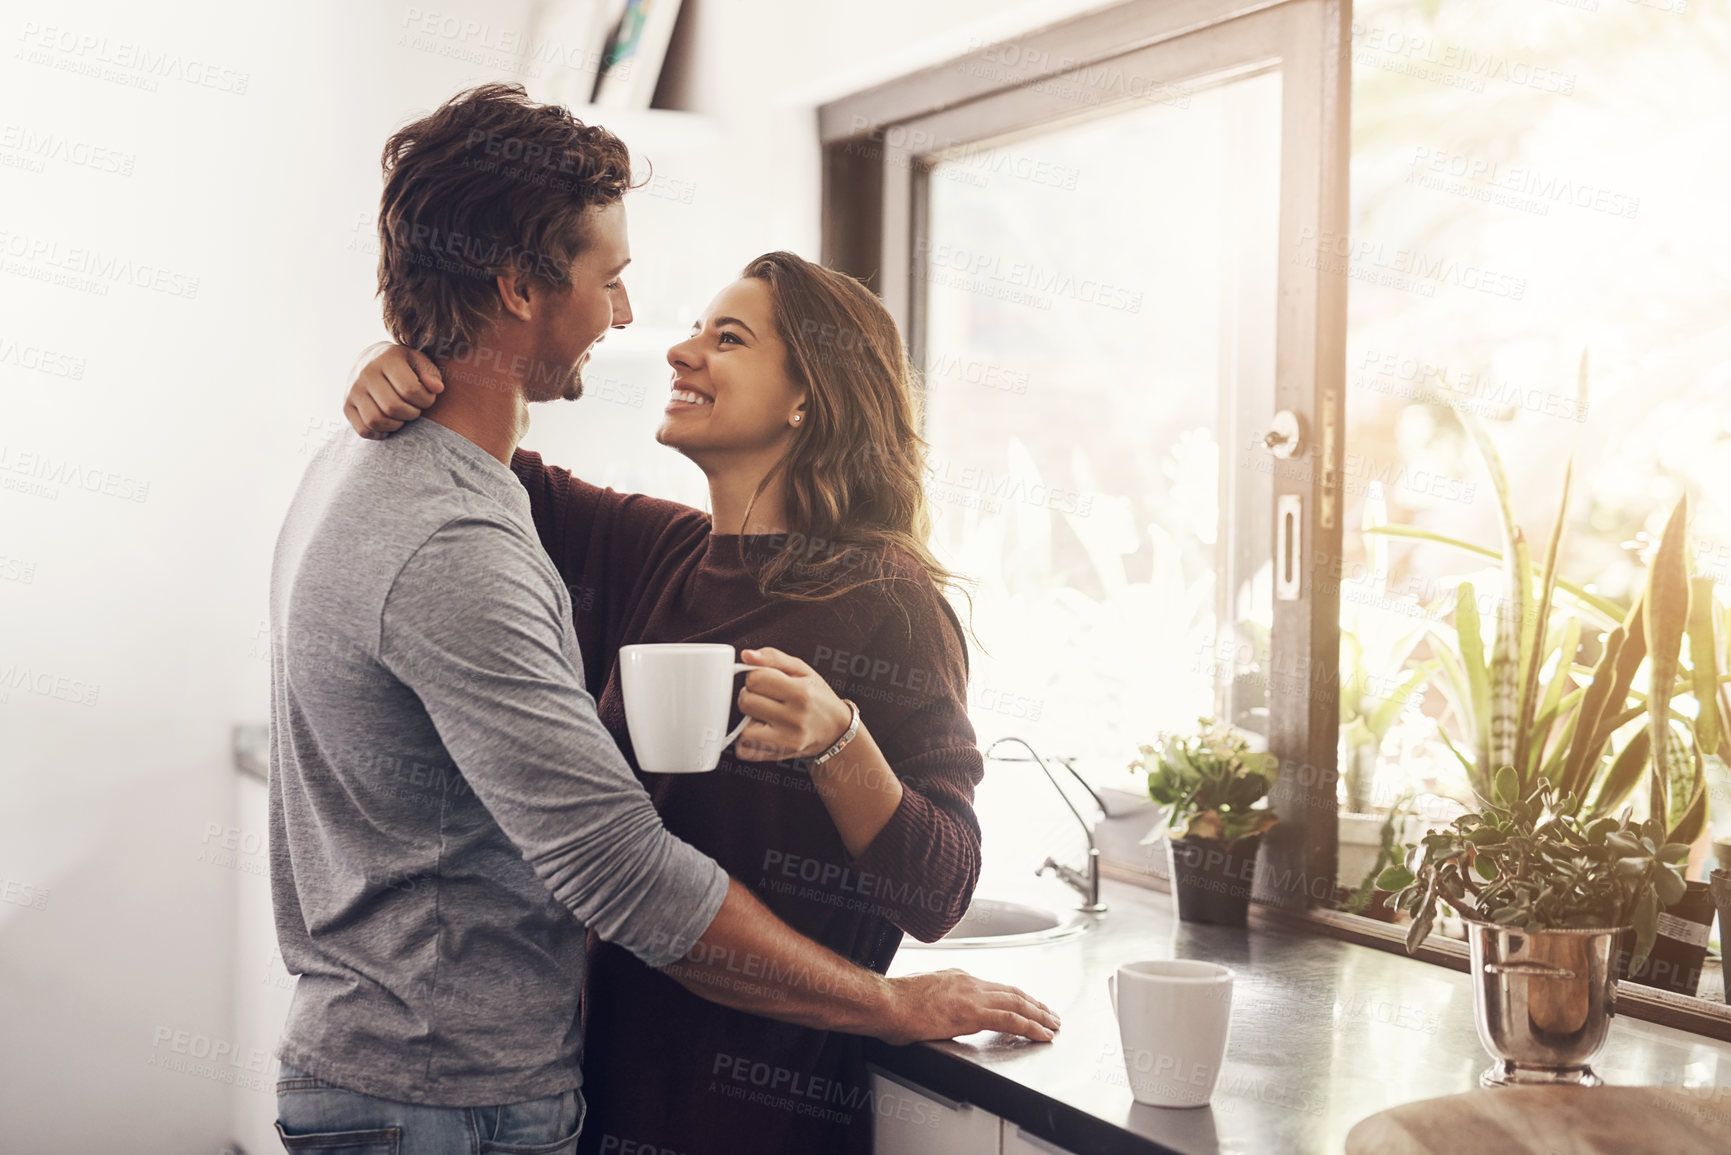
(996, 922)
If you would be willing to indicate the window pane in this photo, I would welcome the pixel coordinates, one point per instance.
(1530, 181)
(1099, 348)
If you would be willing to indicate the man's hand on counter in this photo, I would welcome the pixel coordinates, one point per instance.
(949, 1003)
(750, 960)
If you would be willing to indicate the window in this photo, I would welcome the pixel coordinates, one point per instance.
(1096, 241)
(1531, 182)
(1087, 386)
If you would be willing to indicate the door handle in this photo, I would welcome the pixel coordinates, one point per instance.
(1288, 547)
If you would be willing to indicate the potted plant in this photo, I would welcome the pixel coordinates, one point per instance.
(1380, 683)
(1573, 727)
(1680, 949)
(1371, 703)
(1596, 733)
(1546, 892)
(1719, 884)
(1369, 898)
(1212, 789)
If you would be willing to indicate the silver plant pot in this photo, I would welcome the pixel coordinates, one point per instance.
(1544, 1001)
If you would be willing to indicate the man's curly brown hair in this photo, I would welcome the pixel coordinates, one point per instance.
(488, 182)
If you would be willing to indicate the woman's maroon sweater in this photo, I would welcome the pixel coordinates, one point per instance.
(663, 1068)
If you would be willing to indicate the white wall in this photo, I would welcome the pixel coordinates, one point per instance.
(152, 430)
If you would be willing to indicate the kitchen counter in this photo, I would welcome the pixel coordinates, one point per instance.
(1324, 1033)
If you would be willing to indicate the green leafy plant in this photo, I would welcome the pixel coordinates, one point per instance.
(1537, 863)
(1379, 680)
(1529, 705)
(1390, 852)
(1367, 715)
(1210, 781)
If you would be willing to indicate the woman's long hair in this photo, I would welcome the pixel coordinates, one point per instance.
(855, 475)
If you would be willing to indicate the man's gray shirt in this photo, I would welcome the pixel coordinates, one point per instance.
(447, 814)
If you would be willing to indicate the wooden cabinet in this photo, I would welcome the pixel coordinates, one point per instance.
(909, 1120)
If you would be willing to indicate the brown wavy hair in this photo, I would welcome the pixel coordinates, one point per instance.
(488, 182)
(855, 474)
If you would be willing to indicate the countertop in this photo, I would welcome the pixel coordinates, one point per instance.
(1324, 1033)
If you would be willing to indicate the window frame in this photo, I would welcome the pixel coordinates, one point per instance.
(875, 147)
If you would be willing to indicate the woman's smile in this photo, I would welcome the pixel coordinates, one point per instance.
(685, 398)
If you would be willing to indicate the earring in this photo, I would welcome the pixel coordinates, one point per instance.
(797, 416)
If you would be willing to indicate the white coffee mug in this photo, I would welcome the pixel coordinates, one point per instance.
(677, 699)
(1173, 1016)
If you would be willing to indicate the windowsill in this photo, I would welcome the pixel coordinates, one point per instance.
(1649, 1004)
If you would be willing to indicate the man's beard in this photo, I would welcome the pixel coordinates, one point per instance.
(574, 384)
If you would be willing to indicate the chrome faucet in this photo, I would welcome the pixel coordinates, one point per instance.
(1085, 883)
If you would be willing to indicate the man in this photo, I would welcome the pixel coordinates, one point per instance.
(448, 815)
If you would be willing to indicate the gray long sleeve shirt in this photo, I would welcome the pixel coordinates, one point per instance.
(447, 814)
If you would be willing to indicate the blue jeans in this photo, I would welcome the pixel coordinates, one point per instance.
(319, 1118)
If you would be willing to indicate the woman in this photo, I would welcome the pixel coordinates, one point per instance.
(792, 395)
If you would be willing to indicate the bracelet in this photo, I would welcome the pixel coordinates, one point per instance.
(846, 736)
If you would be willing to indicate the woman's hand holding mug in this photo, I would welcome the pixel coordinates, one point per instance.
(793, 712)
(676, 706)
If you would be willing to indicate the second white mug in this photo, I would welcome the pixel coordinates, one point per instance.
(678, 696)
(1173, 1019)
